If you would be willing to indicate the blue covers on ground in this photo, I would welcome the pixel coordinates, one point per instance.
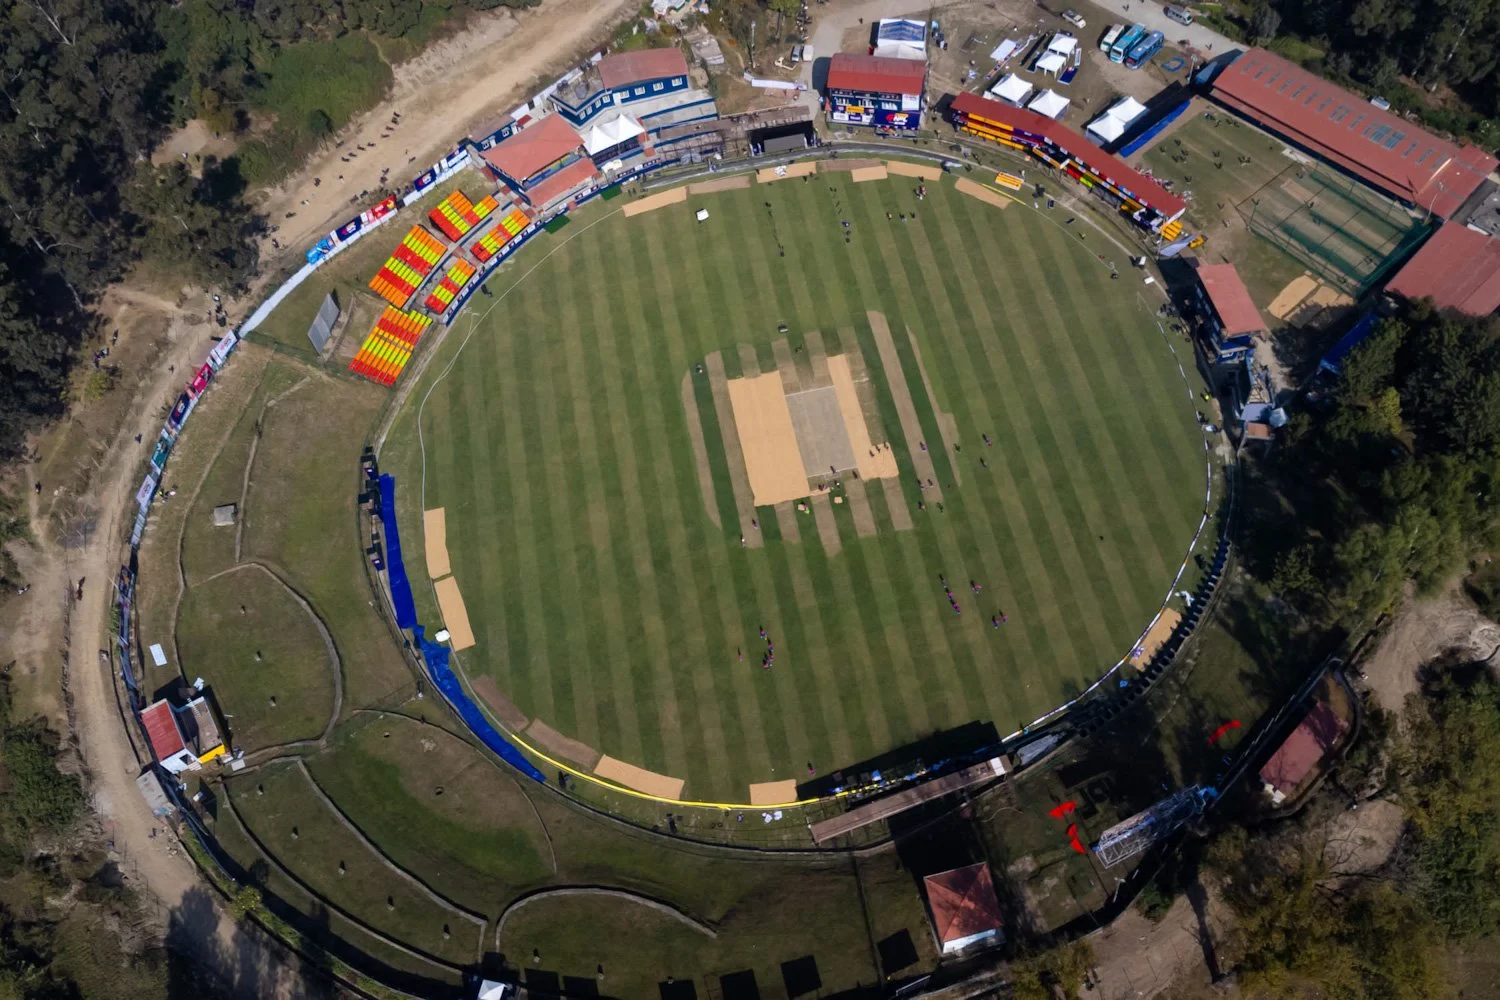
(406, 609)
(436, 658)
(1134, 146)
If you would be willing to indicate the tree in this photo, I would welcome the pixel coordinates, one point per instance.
(1264, 20)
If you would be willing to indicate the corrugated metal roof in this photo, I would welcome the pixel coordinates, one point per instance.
(1385, 149)
(625, 68)
(533, 148)
(876, 74)
(1075, 145)
(1231, 299)
(1458, 268)
(161, 730)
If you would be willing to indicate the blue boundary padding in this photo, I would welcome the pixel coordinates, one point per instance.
(406, 608)
(1151, 133)
(436, 658)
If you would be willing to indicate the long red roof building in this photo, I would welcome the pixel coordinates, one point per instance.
(1111, 168)
(1338, 125)
(1458, 268)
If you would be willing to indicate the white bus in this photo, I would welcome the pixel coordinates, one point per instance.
(1110, 37)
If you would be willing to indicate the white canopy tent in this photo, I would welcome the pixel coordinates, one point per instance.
(1049, 103)
(1005, 50)
(1063, 45)
(607, 135)
(1052, 63)
(1012, 89)
(1106, 129)
(1109, 126)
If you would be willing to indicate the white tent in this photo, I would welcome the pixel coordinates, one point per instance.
(609, 134)
(901, 38)
(1062, 44)
(1112, 124)
(1049, 103)
(1106, 128)
(1011, 89)
(1052, 62)
(1127, 109)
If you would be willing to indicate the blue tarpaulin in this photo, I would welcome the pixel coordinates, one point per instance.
(1134, 146)
(435, 656)
(406, 609)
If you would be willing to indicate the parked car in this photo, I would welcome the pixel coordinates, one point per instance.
(1178, 14)
(1074, 18)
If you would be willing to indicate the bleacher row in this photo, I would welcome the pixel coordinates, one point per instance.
(389, 345)
(1100, 711)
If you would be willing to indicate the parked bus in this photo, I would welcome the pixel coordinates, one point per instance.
(1122, 44)
(1143, 50)
(1110, 37)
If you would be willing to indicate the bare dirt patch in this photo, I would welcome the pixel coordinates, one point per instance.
(554, 742)
(984, 194)
(505, 710)
(1422, 630)
(642, 780)
(722, 184)
(455, 615)
(768, 439)
(650, 203)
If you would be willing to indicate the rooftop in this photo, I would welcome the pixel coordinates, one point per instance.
(161, 730)
(1302, 751)
(876, 74)
(1111, 168)
(1382, 147)
(562, 182)
(533, 148)
(1457, 268)
(1230, 298)
(624, 68)
(963, 903)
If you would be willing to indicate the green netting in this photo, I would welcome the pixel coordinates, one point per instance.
(1341, 230)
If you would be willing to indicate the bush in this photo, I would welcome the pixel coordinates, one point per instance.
(41, 797)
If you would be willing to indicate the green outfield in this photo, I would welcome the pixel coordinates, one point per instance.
(595, 493)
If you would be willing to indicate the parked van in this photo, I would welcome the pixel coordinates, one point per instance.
(1179, 15)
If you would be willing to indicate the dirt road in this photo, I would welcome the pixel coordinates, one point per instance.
(147, 853)
(440, 95)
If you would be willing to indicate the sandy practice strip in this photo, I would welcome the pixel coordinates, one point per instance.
(1288, 298)
(774, 793)
(869, 174)
(984, 194)
(1156, 636)
(802, 169)
(772, 460)
(455, 615)
(722, 184)
(903, 169)
(639, 778)
(880, 465)
(435, 537)
(556, 743)
(654, 201)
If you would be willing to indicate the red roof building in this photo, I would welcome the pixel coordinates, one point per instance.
(624, 69)
(533, 149)
(864, 74)
(543, 163)
(167, 741)
(1230, 300)
(1057, 144)
(1302, 751)
(964, 907)
(1385, 149)
(1458, 268)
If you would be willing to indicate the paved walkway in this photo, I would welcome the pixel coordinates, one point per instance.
(1153, 15)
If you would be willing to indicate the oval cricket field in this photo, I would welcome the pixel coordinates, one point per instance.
(747, 500)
